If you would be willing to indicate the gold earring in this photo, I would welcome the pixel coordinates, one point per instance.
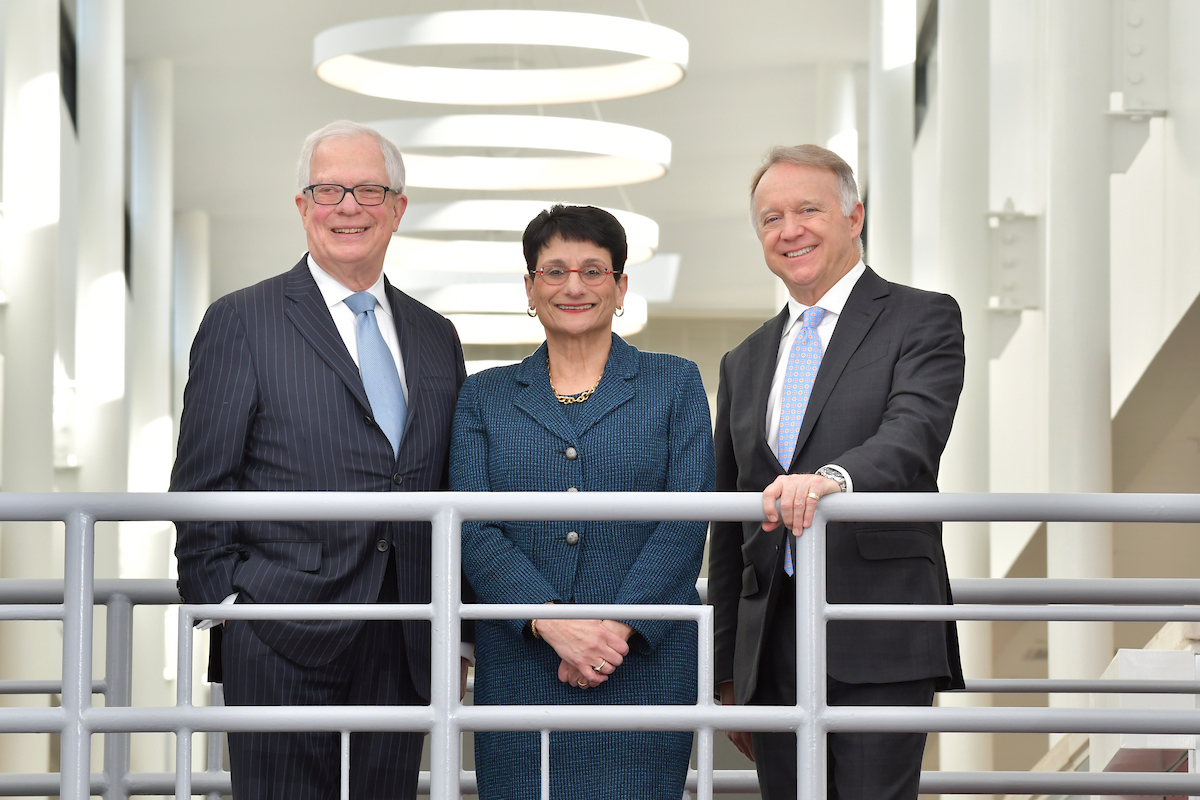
(620, 312)
(531, 311)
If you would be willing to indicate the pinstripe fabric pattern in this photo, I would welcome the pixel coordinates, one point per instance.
(646, 428)
(275, 403)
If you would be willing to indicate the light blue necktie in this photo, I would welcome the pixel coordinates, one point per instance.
(803, 362)
(379, 375)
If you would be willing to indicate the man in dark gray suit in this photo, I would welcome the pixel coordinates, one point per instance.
(324, 378)
(852, 387)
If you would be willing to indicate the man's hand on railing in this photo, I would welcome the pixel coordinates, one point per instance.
(589, 649)
(797, 496)
(740, 739)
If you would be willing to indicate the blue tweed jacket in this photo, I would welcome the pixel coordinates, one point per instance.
(646, 428)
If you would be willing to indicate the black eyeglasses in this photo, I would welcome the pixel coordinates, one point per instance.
(330, 194)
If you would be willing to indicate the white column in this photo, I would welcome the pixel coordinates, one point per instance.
(962, 270)
(1077, 321)
(29, 251)
(99, 366)
(889, 218)
(191, 292)
(146, 546)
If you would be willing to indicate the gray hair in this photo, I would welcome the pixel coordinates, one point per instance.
(811, 155)
(393, 162)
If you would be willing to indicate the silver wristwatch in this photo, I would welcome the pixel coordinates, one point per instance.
(834, 474)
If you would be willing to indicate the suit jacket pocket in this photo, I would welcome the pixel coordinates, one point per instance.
(304, 556)
(749, 581)
(875, 544)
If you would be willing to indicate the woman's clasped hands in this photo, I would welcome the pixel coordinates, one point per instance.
(590, 649)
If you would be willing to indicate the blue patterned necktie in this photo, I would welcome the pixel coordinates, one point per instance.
(803, 362)
(379, 374)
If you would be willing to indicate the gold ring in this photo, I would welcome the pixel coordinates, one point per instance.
(582, 684)
(814, 496)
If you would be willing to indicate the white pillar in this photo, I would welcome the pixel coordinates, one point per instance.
(191, 291)
(100, 292)
(1077, 321)
(29, 250)
(146, 546)
(889, 218)
(962, 270)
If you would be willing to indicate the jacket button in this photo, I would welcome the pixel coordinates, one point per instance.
(367, 418)
(571, 453)
(382, 545)
(572, 489)
(397, 479)
(572, 538)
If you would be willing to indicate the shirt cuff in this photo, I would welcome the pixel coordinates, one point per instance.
(467, 650)
(846, 475)
(205, 624)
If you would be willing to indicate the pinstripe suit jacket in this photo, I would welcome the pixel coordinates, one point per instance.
(881, 407)
(275, 403)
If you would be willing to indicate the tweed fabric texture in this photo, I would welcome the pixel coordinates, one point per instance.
(646, 428)
(381, 380)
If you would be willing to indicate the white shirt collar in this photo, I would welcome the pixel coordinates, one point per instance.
(832, 301)
(334, 291)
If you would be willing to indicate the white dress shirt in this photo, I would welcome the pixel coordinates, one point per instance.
(833, 302)
(346, 320)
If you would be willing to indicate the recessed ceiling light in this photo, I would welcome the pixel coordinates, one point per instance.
(661, 57)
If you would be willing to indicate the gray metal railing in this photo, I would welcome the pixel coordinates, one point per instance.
(446, 718)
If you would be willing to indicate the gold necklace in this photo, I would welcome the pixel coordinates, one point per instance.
(567, 399)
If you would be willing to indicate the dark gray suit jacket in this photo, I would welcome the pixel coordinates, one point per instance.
(275, 403)
(881, 407)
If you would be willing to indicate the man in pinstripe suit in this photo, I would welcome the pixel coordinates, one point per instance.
(276, 401)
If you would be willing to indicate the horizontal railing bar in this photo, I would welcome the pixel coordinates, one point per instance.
(1118, 591)
(666, 718)
(18, 719)
(1021, 719)
(744, 781)
(31, 612)
(383, 506)
(695, 613)
(1061, 783)
(45, 687)
(1054, 685)
(149, 591)
(966, 612)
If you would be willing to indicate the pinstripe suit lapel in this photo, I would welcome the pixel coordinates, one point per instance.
(537, 398)
(408, 334)
(310, 315)
(863, 307)
(615, 388)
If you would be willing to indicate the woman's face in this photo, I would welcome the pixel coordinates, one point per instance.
(573, 308)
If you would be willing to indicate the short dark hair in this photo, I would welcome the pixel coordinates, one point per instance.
(576, 224)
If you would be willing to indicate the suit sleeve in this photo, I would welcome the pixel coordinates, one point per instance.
(926, 382)
(725, 542)
(666, 568)
(497, 570)
(218, 406)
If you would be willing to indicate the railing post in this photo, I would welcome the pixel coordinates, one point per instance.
(704, 685)
(78, 597)
(183, 699)
(811, 768)
(445, 740)
(118, 678)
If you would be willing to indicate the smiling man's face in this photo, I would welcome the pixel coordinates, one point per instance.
(349, 240)
(806, 239)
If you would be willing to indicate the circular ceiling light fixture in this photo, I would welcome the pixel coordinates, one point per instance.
(616, 155)
(661, 57)
(503, 221)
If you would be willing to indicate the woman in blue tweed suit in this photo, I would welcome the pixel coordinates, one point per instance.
(586, 412)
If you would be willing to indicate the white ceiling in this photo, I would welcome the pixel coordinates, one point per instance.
(246, 96)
